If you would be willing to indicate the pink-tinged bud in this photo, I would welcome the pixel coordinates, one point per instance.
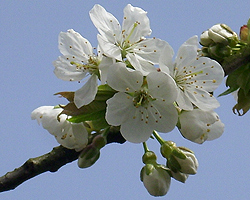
(244, 33)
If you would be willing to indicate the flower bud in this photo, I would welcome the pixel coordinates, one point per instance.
(167, 148)
(189, 164)
(88, 156)
(205, 40)
(149, 157)
(244, 31)
(99, 141)
(179, 159)
(179, 176)
(156, 179)
(221, 33)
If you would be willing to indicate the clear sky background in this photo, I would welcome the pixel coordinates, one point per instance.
(28, 45)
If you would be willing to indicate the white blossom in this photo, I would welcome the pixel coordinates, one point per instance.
(142, 104)
(127, 43)
(195, 76)
(78, 62)
(69, 135)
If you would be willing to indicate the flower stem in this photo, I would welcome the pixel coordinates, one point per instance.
(145, 147)
(158, 137)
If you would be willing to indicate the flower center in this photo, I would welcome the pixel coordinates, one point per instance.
(185, 79)
(125, 46)
(91, 67)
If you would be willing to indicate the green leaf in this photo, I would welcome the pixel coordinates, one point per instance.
(248, 26)
(244, 79)
(104, 93)
(100, 123)
(88, 116)
(243, 103)
(228, 91)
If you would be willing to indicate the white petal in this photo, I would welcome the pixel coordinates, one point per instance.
(198, 125)
(202, 99)
(187, 52)
(183, 101)
(150, 49)
(209, 73)
(72, 136)
(39, 112)
(140, 64)
(123, 80)
(106, 62)
(166, 60)
(162, 117)
(108, 48)
(162, 86)
(67, 72)
(134, 15)
(134, 129)
(118, 108)
(105, 22)
(87, 92)
(72, 43)
(216, 130)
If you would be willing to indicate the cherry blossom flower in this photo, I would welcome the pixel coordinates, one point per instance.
(77, 62)
(142, 104)
(198, 125)
(195, 76)
(69, 135)
(127, 43)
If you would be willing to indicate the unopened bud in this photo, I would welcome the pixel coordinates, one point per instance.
(205, 40)
(156, 179)
(179, 176)
(149, 157)
(88, 156)
(244, 31)
(189, 164)
(221, 33)
(99, 141)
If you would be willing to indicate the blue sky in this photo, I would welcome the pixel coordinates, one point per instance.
(29, 32)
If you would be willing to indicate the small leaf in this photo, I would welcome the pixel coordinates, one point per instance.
(87, 117)
(228, 91)
(68, 95)
(243, 103)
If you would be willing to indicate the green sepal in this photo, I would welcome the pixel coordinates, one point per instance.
(173, 164)
(178, 153)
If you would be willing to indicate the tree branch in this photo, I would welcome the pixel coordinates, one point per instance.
(51, 162)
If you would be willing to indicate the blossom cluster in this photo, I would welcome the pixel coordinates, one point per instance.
(150, 91)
